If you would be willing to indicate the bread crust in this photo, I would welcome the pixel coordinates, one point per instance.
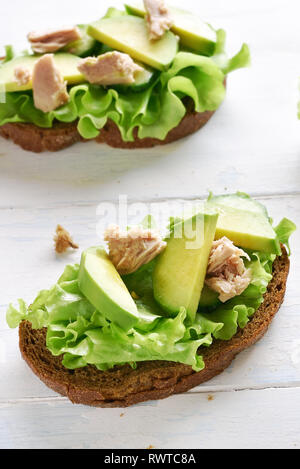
(36, 139)
(123, 386)
(190, 123)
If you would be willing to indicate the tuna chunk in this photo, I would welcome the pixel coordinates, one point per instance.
(49, 87)
(63, 240)
(158, 18)
(111, 68)
(22, 76)
(52, 40)
(226, 272)
(129, 250)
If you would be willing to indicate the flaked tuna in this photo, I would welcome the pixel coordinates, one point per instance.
(129, 250)
(158, 18)
(111, 68)
(49, 87)
(43, 42)
(226, 272)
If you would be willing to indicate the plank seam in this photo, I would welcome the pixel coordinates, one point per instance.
(146, 200)
(208, 390)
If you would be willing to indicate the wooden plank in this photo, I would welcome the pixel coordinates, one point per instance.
(251, 144)
(246, 419)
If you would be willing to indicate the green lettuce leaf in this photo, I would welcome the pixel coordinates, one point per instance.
(83, 336)
(284, 230)
(9, 53)
(154, 111)
(240, 60)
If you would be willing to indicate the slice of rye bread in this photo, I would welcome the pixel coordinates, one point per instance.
(36, 139)
(123, 386)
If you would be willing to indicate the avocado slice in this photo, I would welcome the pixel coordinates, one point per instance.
(102, 285)
(129, 34)
(66, 63)
(85, 46)
(209, 298)
(179, 274)
(143, 79)
(245, 222)
(193, 32)
(241, 201)
(113, 12)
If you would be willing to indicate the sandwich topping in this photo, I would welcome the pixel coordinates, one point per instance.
(147, 299)
(111, 68)
(43, 42)
(48, 85)
(158, 18)
(22, 76)
(143, 68)
(226, 272)
(129, 250)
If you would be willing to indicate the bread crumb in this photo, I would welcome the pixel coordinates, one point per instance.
(150, 447)
(63, 240)
(122, 415)
(210, 397)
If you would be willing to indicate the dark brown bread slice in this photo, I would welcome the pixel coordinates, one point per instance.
(191, 122)
(35, 139)
(123, 386)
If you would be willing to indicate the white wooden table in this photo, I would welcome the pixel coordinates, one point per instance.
(252, 144)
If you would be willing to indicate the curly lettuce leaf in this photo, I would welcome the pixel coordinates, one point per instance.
(284, 230)
(101, 345)
(14, 316)
(9, 53)
(19, 107)
(240, 60)
(83, 336)
(154, 111)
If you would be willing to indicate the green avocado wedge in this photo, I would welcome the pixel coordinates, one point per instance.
(240, 201)
(129, 34)
(102, 285)
(66, 63)
(209, 298)
(85, 46)
(245, 222)
(193, 32)
(143, 79)
(179, 274)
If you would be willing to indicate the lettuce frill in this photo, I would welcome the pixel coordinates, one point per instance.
(154, 111)
(83, 335)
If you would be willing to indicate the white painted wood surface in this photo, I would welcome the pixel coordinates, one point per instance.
(251, 144)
